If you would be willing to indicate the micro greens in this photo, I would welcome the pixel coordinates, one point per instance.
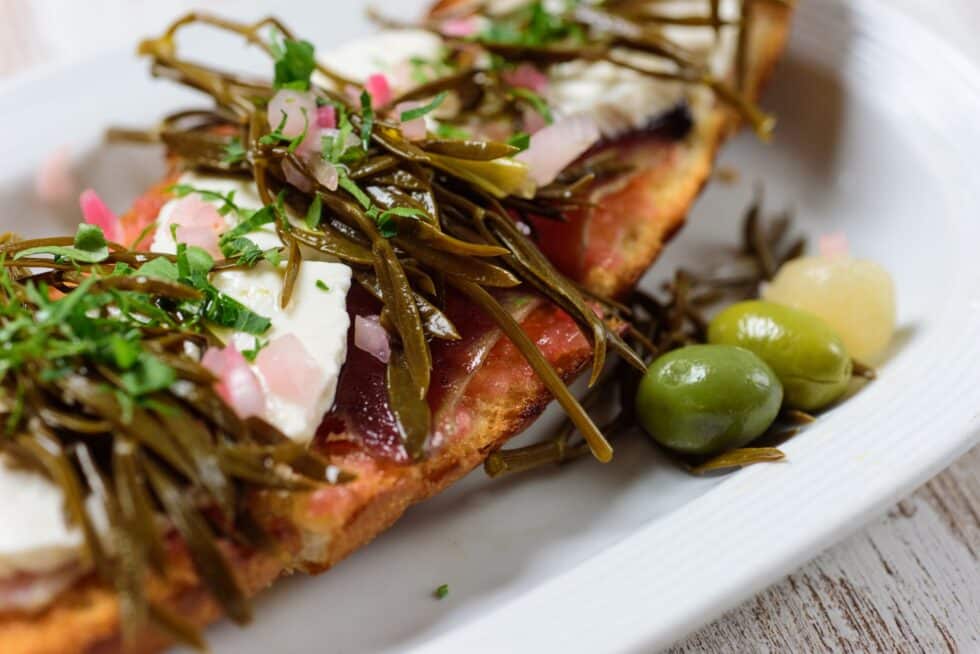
(450, 131)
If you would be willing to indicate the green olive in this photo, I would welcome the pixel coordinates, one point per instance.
(706, 399)
(807, 355)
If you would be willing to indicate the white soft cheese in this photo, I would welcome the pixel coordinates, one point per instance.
(383, 52)
(34, 537)
(317, 317)
(617, 98)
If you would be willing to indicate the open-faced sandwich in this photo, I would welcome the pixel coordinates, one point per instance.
(366, 272)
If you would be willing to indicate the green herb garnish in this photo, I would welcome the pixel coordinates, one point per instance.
(520, 140)
(234, 152)
(441, 592)
(276, 136)
(315, 213)
(537, 103)
(367, 119)
(419, 112)
(90, 246)
(227, 200)
(322, 285)
(295, 63)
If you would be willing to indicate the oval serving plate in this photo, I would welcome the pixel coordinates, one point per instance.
(878, 137)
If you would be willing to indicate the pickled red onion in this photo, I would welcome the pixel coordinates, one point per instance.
(415, 129)
(326, 117)
(290, 371)
(371, 337)
(527, 76)
(237, 384)
(95, 212)
(379, 88)
(556, 146)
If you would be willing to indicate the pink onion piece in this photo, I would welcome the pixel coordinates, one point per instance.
(301, 112)
(95, 212)
(326, 117)
(371, 337)
(326, 173)
(556, 146)
(237, 384)
(533, 121)
(295, 177)
(460, 27)
(527, 76)
(834, 244)
(379, 88)
(300, 109)
(290, 371)
(415, 129)
(55, 180)
(198, 223)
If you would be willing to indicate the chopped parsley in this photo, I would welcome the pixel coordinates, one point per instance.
(450, 131)
(275, 137)
(248, 253)
(322, 285)
(295, 63)
(520, 140)
(441, 592)
(252, 353)
(227, 200)
(100, 325)
(536, 101)
(234, 152)
(534, 25)
(418, 112)
(337, 148)
(384, 219)
(315, 212)
(367, 120)
(257, 219)
(425, 70)
(351, 187)
(90, 246)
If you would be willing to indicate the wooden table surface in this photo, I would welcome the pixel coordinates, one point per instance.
(908, 582)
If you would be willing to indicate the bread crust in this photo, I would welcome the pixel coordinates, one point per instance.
(86, 617)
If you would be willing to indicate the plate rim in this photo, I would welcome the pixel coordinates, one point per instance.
(580, 628)
(478, 634)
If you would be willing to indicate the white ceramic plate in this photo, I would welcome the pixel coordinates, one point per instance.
(878, 137)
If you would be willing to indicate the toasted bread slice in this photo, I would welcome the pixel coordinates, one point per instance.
(319, 529)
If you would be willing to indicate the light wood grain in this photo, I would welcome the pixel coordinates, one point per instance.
(909, 582)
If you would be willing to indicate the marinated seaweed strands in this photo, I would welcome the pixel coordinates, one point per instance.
(99, 393)
(611, 31)
(465, 237)
(658, 325)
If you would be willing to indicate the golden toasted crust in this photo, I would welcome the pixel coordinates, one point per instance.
(86, 618)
